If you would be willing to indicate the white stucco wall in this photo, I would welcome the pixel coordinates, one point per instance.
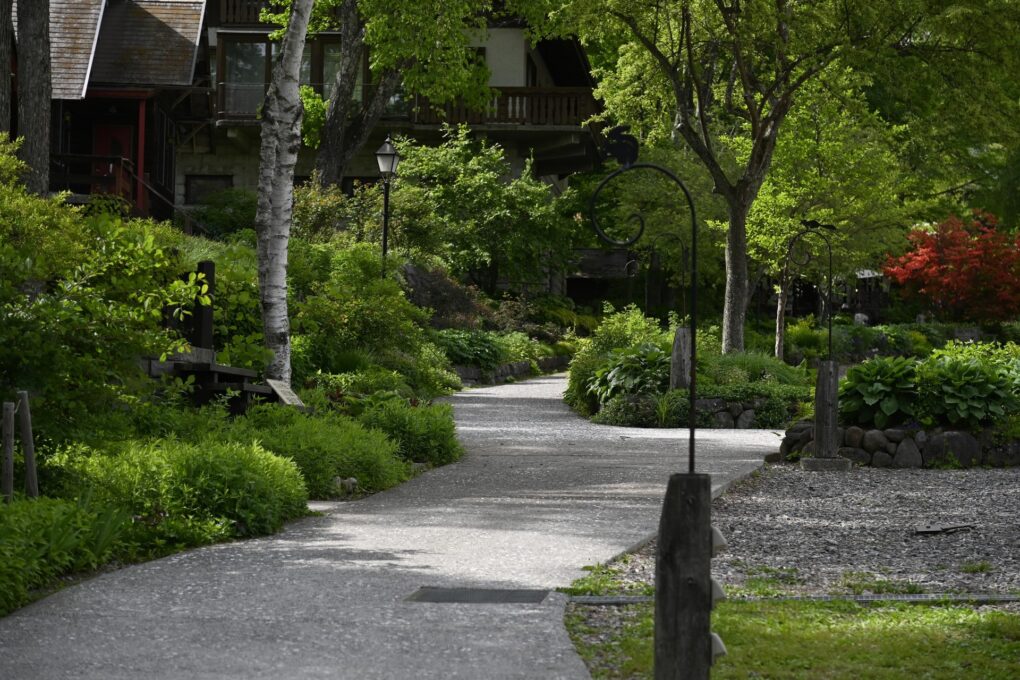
(506, 53)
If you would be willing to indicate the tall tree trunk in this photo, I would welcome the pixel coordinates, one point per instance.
(281, 141)
(6, 43)
(34, 91)
(349, 121)
(735, 301)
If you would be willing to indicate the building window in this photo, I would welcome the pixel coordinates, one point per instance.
(197, 188)
(245, 68)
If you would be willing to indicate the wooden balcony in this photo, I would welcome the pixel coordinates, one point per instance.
(243, 12)
(533, 106)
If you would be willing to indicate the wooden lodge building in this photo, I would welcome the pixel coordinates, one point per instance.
(156, 100)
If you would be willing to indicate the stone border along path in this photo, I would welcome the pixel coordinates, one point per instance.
(539, 494)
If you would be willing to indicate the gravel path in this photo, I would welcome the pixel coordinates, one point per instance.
(810, 533)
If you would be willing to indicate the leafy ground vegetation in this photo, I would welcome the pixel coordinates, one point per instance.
(620, 376)
(130, 470)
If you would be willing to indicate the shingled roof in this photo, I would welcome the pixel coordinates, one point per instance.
(148, 42)
(74, 28)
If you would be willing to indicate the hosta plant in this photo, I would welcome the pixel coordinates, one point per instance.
(879, 392)
(635, 370)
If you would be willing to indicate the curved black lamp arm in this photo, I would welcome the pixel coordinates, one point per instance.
(627, 158)
(812, 227)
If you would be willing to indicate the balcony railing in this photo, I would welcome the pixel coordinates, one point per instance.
(241, 11)
(563, 106)
(569, 106)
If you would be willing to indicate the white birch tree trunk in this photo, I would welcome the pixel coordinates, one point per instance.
(281, 141)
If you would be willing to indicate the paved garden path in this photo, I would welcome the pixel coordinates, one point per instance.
(539, 494)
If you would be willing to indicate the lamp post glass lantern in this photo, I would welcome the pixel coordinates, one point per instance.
(388, 159)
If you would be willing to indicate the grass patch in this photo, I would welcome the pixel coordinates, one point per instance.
(981, 567)
(830, 640)
(861, 582)
(604, 579)
(764, 581)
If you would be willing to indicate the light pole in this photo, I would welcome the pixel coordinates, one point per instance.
(684, 590)
(388, 159)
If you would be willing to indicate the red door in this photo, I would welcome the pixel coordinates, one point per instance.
(114, 144)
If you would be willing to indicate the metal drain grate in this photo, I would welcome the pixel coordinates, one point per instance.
(477, 596)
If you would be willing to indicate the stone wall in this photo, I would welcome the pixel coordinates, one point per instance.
(728, 415)
(908, 448)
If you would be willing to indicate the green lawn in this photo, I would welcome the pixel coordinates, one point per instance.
(777, 639)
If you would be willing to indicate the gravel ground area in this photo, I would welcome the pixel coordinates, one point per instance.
(796, 533)
(825, 533)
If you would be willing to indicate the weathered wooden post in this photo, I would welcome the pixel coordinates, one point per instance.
(683, 585)
(826, 406)
(680, 361)
(28, 445)
(7, 470)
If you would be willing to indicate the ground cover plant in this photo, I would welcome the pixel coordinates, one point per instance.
(620, 376)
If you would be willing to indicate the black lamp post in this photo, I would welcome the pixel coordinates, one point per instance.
(388, 159)
(684, 591)
(815, 227)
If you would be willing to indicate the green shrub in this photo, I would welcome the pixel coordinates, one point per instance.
(471, 348)
(619, 330)
(225, 212)
(425, 367)
(634, 370)
(424, 434)
(360, 383)
(879, 392)
(41, 539)
(629, 410)
(326, 448)
(516, 346)
(183, 494)
(964, 391)
(72, 333)
(740, 367)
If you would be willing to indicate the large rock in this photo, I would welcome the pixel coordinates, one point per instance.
(874, 440)
(921, 438)
(723, 421)
(881, 459)
(895, 435)
(907, 455)
(746, 419)
(709, 405)
(854, 436)
(735, 408)
(1007, 455)
(854, 455)
(951, 449)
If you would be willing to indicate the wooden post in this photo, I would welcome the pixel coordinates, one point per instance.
(826, 457)
(683, 588)
(680, 362)
(826, 403)
(28, 446)
(7, 471)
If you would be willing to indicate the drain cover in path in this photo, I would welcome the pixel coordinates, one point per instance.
(477, 596)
